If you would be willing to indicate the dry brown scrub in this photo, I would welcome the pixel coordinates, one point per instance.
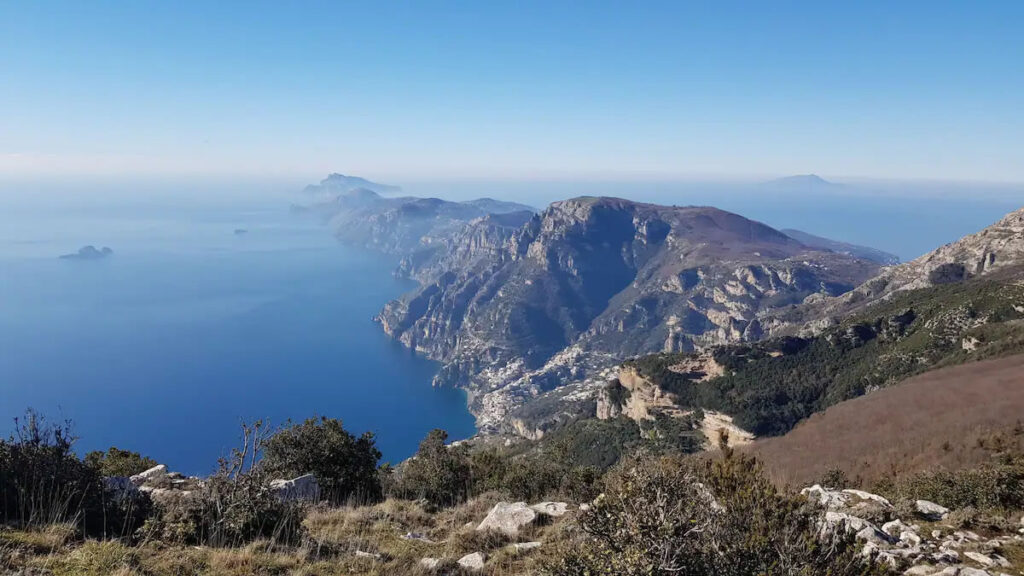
(941, 419)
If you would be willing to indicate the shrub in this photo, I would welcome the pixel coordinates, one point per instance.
(43, 482)
(702, 518)
(996, 485)
(437, 473)
(234, 507)
(117, 462)
(344, 466)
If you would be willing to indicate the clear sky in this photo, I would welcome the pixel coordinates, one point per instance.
(518, 89)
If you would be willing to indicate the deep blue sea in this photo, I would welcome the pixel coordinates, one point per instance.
(165, 347)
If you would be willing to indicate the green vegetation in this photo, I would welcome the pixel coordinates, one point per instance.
(117, 462)
(697, 518)
(772, 385)
(345, 466)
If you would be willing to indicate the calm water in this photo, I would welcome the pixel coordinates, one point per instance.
(188, 329)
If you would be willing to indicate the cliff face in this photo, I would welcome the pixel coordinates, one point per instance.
(515, 312)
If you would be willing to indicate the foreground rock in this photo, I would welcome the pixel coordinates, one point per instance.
(474, 561)
(304, 488)
(508, 518)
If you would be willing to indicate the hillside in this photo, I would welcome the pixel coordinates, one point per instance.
(868, 253)
(590, 281)
(994, 248)
(770, 386)
(939, 419)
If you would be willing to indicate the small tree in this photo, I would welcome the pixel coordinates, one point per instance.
(438, 473)
(344, 466)
(117, 462)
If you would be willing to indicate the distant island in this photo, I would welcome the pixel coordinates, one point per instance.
(89, 252)
(240, 231)
(802, 183)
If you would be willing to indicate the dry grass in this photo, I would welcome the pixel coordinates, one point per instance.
(938, 420)
(335, 536)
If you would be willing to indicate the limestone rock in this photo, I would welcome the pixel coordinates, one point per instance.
(430, 563)
(525, 546)
(153, 474)
(474, 561)
(931, 510)
(304, 488)
(508, 518)
(553, 509)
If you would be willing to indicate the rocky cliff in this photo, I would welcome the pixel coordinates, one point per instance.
(515, 312)
(996, 248)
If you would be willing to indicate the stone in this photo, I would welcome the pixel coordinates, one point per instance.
(155, 473)
(931, 510)
(369, 555)
(417, 536)
(980, 558)
(910, 537)
(862, 528)
(304, 488)
(508, 518)
(553, 509)
(894, 528)
(524, 546)
(968, 571)
(474, 561)
(920, 570)
(430, 563)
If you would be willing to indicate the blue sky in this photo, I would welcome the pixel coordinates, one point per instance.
(513, 90)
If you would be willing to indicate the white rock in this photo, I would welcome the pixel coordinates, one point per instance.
(155, 473)
(894, 528)
(967, 571)
(553, 509)
(370, 555)
(524, 546)
(931, 510)
(304, 488)
(868, 496)
(430, 563)
(920, 570)
(474, 561)
(910, 537)
(980, 558)
(508, 518)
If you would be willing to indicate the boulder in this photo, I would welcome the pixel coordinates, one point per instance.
(474, 561)
(304, 488)
(931, 510)
(155, 473)
(508, 518)
(553, 509)
(863, 529)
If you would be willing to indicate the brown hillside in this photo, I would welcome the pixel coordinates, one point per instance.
(938, 419)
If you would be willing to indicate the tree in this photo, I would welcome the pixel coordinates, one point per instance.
(117, 462)
(344, 466)
(438, 473)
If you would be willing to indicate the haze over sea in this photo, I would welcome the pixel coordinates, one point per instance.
(189, 328)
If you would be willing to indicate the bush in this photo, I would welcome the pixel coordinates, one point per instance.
(234, 507)
(344, 466)
(43, 482)
(437, 473)
(117, 462)
(702, 518)
(997, 485)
